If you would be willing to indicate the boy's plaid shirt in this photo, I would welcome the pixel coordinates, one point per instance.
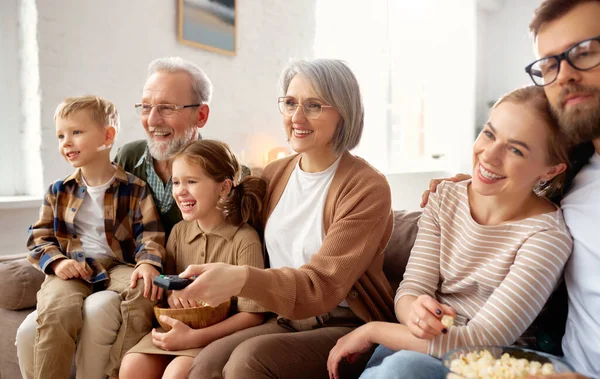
(131, 222)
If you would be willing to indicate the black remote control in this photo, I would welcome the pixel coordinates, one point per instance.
(171, 282)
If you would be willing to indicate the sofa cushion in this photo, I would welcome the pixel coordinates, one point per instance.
(401, 242)
(20, 284)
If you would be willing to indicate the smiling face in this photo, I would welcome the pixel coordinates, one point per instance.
(168, 134)
(511, 153)
(306, 135)
(575, 95)
(80, 137)
(195, 193)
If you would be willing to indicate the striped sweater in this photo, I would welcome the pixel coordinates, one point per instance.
(497, 278)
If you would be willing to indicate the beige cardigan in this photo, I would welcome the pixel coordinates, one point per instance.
(358, 223)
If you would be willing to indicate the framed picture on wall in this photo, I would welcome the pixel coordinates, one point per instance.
(208, 24)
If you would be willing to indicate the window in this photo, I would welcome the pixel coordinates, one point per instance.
(415, 62)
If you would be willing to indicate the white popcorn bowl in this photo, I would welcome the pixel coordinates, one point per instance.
(560, 366)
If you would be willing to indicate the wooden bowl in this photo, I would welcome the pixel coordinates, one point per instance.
(196, 318)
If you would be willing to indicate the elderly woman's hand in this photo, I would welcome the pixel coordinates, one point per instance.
(215, 283)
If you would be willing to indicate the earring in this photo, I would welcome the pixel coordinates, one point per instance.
(543, 183)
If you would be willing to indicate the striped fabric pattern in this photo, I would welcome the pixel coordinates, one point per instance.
(497, 278)
(236, 245)
(131, 222)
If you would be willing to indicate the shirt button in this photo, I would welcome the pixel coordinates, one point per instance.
(82, 190)
(74, 235)
(80, 255)
(353, 294)
(72, 209)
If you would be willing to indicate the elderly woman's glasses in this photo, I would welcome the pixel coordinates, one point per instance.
(312, 108)
(165, 110)
(583, 56)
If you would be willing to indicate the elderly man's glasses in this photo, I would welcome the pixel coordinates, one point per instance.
(312, 108)
(165, 110)
(583, 56)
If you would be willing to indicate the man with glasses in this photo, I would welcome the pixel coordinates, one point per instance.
(174, 107)
(567, 43)
(567, 38)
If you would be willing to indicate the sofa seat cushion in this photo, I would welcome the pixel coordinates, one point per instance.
(20, 284)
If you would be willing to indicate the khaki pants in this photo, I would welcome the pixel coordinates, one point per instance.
(101, 323)
(279, 348)
(60, 320)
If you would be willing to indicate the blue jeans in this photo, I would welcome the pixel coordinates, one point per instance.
(406, 364)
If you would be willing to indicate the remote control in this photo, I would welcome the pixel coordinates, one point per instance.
(171, 282)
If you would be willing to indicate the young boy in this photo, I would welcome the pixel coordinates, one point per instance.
(98, 230)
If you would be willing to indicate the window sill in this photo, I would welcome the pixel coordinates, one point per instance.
(19, 202)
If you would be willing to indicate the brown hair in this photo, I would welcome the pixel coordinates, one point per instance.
(100, 110)
(245, 201)
(535, 97)
(550, 10)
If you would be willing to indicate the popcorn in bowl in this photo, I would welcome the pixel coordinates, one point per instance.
(497, 362)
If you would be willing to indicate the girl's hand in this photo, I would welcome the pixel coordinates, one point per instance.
(350, 347)
(176, 302)
(424, 319)
(180, 337)
(215, 283)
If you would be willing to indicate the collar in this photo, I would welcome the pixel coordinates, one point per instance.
(144, 158)
(224, 230)
(120, 175)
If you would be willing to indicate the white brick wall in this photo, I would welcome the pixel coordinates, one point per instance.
(104, 47)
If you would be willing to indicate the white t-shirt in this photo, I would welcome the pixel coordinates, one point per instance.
(581, 208)
(294, 231)
(89, 221)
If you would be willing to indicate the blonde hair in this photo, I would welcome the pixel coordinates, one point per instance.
(535, 97)
(100, 110)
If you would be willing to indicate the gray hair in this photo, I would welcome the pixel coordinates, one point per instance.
(334, 83)
(201, 86)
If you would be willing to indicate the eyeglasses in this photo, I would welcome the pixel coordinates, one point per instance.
(312, 109)
(583, 56)
(165, 110)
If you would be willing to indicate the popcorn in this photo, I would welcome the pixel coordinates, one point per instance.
(483, 365)
(447, 321)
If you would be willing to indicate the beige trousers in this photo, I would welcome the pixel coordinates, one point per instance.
(101, 323)
(60, 319)
(278, 348)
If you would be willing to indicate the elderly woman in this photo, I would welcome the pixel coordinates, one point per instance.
(327, 220)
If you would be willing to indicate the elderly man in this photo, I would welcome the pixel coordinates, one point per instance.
(174, 106)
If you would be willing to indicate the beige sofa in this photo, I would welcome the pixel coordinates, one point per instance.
(21, 281)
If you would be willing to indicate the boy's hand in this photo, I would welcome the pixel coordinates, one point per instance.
(147, 272)
(69, 268)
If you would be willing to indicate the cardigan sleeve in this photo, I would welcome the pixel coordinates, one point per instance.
(354, 239)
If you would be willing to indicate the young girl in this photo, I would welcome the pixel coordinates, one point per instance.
(489, 251)
(216, 211)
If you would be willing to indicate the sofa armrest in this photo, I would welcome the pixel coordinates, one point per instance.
(20, 284)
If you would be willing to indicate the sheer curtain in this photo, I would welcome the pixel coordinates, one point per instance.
(415, 62)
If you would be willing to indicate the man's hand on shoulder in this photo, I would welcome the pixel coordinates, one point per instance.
(433, 183)
(69, 269)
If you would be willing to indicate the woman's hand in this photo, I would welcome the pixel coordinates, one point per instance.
(570, 375)
(180, 337)
(215, 283)
(424, 320)
(350, 347)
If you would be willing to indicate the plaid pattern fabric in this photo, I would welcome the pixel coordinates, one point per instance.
(133, 229)
(162, 192)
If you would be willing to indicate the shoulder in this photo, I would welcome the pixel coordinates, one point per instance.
(275, 168)
(356, 175)
(246, 235)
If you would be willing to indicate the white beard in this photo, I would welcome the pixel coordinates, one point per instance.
(162, 151)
